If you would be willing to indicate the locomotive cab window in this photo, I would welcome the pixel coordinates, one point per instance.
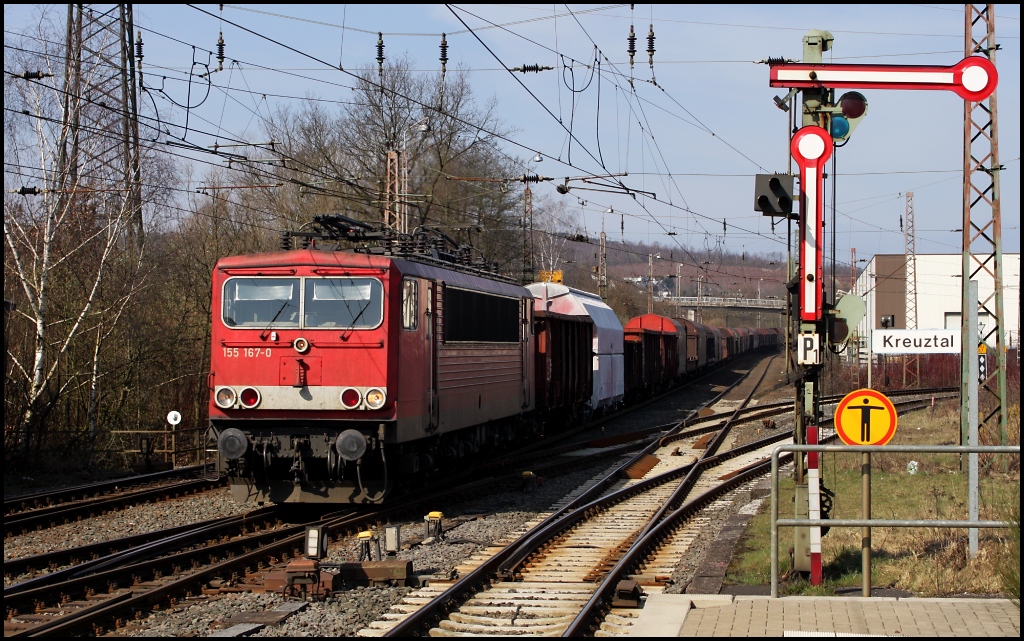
(410, 303)
(350, 303)
(261, 302)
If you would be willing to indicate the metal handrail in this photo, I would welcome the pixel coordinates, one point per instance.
(726, 301)
(776, 522)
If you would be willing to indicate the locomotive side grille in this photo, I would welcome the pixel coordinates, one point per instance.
(479, 366)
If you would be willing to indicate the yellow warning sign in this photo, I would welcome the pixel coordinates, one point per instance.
(982, 348)
(865, 417)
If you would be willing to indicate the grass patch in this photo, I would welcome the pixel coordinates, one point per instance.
(925, 561)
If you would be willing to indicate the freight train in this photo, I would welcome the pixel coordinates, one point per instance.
(344, 376)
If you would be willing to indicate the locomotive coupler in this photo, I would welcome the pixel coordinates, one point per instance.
(298, 469)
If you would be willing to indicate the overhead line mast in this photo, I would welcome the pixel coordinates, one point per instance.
(982, 226)
(911, 362)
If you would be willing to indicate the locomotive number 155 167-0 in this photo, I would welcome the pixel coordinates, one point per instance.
(246, 352)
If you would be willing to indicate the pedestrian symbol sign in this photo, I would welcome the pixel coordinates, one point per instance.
(865, 417)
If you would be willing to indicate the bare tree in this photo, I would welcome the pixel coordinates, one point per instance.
(337, 162)
(70, 233)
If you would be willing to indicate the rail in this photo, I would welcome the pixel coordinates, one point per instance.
(776, 522)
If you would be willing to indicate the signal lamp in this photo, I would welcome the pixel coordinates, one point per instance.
(773, 194)
(853, 104)
(225, 397)
(375, 399)
(301, 345)
(350, 398)
(840, 127)
(852, 107)
(250, 397)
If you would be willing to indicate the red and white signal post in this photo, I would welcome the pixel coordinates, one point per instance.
(973, 79)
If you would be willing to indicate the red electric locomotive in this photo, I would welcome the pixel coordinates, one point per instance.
(335, 375)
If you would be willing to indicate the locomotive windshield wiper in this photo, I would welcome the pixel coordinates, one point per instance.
(263, 334)
(355, 320)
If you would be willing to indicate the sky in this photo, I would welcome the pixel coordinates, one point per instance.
(693, 131)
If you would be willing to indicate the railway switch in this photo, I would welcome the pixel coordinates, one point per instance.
(528, 481)
(316, 542)
(628, 594)
(366, 543)
(433, 529)
(392, 540)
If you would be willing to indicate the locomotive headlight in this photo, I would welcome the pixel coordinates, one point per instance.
(301, 345)
(249, 397)
(351, 445)
(375, 398)
(225, 397)
(232, 443)
(350, 398)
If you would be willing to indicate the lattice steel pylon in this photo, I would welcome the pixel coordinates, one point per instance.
(911, 362)
(982, 231)
(392, 210)
(100, 97)
(602, 268)
(528, 249)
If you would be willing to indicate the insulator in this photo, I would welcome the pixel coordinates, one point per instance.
(380, 49)
(286, 241)
(530, 178)
(773, 60)
(444, 52)
(220, 50)
(650, 45)
(138, 46)
(631, 49)
(304, 243)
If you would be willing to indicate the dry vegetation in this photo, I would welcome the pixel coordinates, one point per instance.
(924, 561)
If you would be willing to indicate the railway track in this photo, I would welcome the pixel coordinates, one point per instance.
(104, 591)
(563, 577)
(50, 498)
(101, 596)
(566, 553)
(71, 511)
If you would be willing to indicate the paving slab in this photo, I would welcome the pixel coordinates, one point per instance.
(685, 615)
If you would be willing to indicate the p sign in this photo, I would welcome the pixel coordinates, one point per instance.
(809, 349)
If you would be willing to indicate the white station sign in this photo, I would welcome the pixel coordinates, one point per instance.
(916, 341)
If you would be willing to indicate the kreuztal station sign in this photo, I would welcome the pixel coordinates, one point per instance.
(916, 341)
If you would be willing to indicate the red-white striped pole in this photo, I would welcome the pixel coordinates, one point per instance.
(814, 500)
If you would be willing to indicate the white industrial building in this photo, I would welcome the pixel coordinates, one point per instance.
(883, 285)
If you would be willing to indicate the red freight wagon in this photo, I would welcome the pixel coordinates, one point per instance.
(652, 340)
(699, 344)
